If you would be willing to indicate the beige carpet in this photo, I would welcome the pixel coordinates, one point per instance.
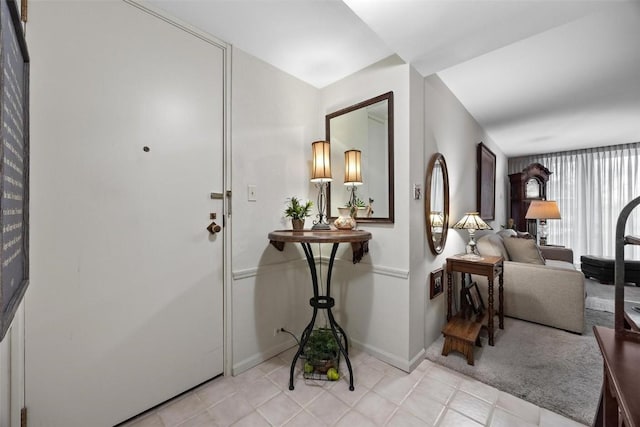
(551, 368)
(600, 297)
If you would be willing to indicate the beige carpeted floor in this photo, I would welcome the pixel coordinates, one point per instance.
(554, 369)
(600, 297)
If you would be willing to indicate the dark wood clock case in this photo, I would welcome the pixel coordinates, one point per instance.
(528, 185)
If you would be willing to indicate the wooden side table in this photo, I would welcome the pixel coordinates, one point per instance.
(620, 347)
(359, 240)
(619, 403)
(460, 333)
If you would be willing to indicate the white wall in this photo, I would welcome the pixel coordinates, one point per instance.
(372, 297)
(274, 122)
(417, 239)
(383, 302)
(452, 131)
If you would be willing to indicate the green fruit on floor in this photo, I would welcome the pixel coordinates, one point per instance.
(308, 368)
(333, 375)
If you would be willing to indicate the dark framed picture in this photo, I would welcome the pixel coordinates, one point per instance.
(14, 164)
(474, 298)
(466, 280)
(437, 283)
(486, 182)
(467, 305)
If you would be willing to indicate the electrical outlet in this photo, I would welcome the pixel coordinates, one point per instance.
(279, 330)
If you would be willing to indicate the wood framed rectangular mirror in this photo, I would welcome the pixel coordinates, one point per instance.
(367, 127)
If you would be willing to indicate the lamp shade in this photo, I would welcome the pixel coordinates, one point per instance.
(543, 209)
(472, 221)
(321, 163)
(352, 167)
(436, 219)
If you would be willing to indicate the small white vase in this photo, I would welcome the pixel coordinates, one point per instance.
(344, 220)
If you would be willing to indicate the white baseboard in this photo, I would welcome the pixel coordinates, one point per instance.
(391, 359)
(258, 358)
(417, 359)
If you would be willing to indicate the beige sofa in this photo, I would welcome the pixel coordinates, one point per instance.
(550, 292)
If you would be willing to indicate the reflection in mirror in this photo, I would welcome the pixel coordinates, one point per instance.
(436, 204)
(365, 130)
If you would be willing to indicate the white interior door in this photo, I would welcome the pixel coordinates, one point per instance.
(125, 305)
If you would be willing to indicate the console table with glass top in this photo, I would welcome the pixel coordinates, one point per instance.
(359, 244)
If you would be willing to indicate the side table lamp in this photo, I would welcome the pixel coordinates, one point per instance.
(436, 219)
(541, 211)
(321, 176)
(471, 222)
(353, 174)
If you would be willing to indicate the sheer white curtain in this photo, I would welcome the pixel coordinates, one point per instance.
(591, 187)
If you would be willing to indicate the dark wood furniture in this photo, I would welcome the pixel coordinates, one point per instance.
(359, 244)
(461, 333)
(631, 316)
(528, 185)
(620, 399)
(602, 269)
(620, 347)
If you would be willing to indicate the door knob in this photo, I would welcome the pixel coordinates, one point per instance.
(214, 228)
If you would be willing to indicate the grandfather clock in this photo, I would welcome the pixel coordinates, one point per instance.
(528, 185)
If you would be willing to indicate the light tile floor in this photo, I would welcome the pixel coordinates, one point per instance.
(384, 396)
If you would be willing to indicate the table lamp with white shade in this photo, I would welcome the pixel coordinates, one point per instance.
(541, 211)
(321, 176)
(471, 222)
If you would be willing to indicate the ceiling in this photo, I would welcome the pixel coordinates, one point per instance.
(538, 75)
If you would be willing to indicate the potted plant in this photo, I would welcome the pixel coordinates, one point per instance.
(356, 205)
(297, 210)
(321, 353)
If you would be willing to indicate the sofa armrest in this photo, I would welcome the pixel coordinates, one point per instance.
(557, 253)
(543, 294)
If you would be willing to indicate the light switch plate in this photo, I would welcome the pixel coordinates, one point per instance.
(417, 191)
(251, 193)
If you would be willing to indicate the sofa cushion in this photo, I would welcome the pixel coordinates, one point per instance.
(525, 235)
(492, 245)
(523, 250)
(559, 264)
(507, 232)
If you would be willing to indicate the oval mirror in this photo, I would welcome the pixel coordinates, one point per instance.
(436, 203)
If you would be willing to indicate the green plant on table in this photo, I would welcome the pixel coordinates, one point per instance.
(355, 204)
(297, 209)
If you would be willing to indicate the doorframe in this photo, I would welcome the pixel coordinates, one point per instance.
(227, 323)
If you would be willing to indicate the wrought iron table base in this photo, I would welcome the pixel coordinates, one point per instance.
(324, 302)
